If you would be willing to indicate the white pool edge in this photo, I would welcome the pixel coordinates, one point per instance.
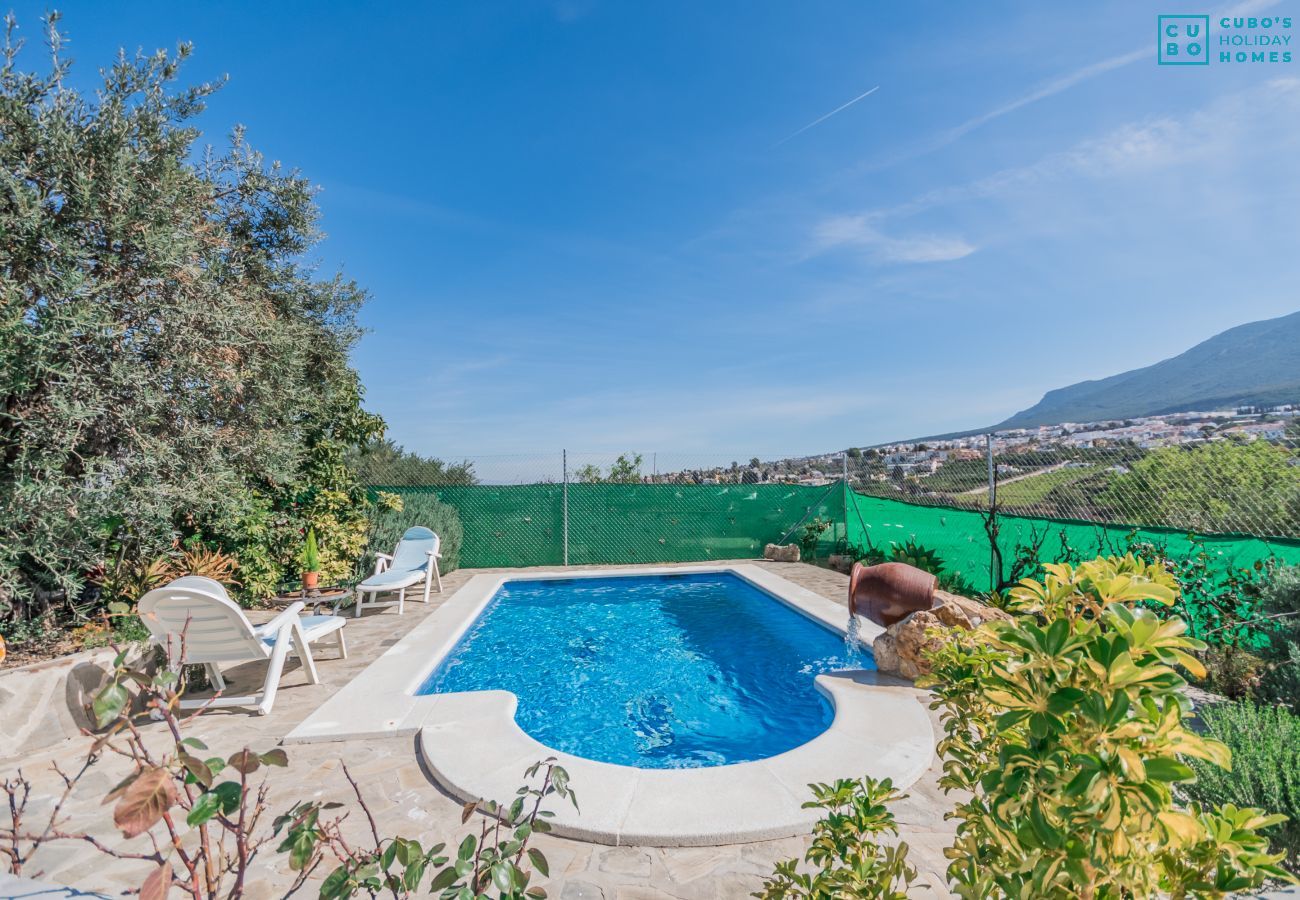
(475, 750)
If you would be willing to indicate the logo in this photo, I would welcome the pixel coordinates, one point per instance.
(1186, 41)
(1183, 40)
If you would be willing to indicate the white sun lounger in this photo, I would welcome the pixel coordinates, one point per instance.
(216, 630)
(414, 560)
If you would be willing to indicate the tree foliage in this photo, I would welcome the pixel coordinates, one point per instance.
(382, 463)
(626, 469)
(1221, 486)
(169, 363)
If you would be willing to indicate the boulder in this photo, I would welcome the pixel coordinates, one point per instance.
(781, 552)
(840, 563)
(902, 648)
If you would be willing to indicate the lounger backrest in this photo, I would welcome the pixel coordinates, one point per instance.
(218, 630)
(412, 551)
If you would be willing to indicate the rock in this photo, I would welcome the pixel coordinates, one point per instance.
(781, 552)
(903, 647)
(840, 563)
(978, 613)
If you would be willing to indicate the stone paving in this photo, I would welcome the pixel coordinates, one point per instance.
(407, 802)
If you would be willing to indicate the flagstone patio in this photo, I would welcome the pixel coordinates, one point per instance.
(406, 801)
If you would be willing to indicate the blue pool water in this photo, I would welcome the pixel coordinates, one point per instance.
(660, 672)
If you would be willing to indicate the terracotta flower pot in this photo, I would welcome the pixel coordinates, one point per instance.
(310, 580)
(889, 592)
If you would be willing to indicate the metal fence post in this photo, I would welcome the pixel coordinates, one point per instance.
(564, 457)
(995, 574)
(844, 495)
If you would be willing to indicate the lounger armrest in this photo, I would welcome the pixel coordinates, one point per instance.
(381, 562)
(433, 554)
(288, 617)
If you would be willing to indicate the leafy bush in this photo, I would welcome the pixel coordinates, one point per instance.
(921, 557)
(1232, 672)
(844, 855)
(391, 514)
(1066, 726)
(1265, 745)
(915, 554)
(811, 536)
(1279, 620)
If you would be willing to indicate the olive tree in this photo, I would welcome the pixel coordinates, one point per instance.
(170, 363)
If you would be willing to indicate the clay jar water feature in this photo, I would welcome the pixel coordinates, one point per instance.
(888, 592)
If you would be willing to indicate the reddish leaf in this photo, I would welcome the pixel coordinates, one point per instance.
(158, 883)
(143, 803)
(121, 787)
(198, 768)
(276, 757)
(245, 762)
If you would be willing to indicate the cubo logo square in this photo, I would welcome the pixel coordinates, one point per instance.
(1183, 41)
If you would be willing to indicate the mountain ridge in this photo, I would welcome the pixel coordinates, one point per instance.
(1254, 364)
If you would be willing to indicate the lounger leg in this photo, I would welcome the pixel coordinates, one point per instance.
(303, 649)
(427, 582)
(273, 672)
(214, 677)
(438, 575)
(343, 644)
(356, 613)
(401, 601)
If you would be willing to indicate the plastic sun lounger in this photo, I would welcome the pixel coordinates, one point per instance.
(414, 560)
(196, 611)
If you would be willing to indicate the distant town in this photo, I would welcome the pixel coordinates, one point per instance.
(908, 465)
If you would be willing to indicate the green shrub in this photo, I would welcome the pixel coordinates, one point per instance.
(921, 557)
(811, 536)
(1065, 732)
(392, 514)
(1279, 612)
(1265, 745)
(1231, 671)
(845, 859)
(311, 553)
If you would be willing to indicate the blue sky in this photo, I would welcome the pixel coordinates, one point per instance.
(607, 226)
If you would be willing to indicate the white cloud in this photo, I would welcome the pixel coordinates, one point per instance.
(1224, 130)
(1084, 73)
(861, 231)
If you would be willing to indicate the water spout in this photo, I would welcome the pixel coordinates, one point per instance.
(853, 636)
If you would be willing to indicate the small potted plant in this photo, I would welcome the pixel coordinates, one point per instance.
(310, 562)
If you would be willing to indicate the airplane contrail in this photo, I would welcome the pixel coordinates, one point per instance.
(837, 109)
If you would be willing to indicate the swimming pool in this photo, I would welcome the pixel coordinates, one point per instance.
(652, 671)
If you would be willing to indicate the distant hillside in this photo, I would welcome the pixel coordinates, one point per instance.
(1256, 364)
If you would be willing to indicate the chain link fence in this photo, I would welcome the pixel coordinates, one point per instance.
(584, 508)
(979, 501)
(1225, 485)
(1242, 479)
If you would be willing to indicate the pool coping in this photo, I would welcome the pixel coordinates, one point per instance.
(475, 750)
